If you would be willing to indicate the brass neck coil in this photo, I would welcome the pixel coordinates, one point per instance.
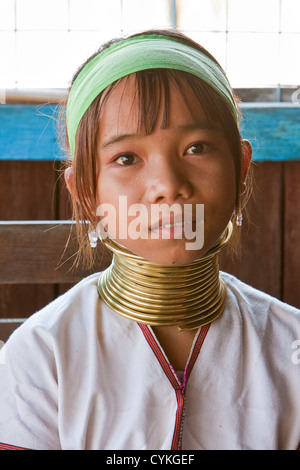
(188, 296)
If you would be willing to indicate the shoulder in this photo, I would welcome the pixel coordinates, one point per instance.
(259, 311)
(36, 358)
(264, 328)
(248, 296)
(51, 323)
(53, 339)
(72, 303)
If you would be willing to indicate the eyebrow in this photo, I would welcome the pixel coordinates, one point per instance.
(118, 138)
(183, 128)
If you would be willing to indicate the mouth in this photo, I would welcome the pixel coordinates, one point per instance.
(171, 229)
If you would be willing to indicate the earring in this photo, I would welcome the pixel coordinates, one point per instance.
(93, 236)
(239, 218)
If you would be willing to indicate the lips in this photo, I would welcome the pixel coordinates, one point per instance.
(170, 229)
(168, 222)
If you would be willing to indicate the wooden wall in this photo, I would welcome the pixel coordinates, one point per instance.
(30, 190)
(270, 260)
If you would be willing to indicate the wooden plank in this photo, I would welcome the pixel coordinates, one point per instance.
(22, 300)
(27, 190)
(35, 95)
(64, 207)
(291, 259)
(7, 328)
(260, 262)
(38, 252)
(29, 132)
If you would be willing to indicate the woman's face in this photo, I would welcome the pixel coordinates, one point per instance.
(184, 168)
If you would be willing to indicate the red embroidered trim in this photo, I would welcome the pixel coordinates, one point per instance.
(10, 447)
(177, 436)
(160, 357)
(169, 371)
(196, 350)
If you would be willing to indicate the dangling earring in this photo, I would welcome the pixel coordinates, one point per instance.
(93, 237)
(239, 218)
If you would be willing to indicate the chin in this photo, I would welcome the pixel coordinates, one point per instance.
(179, 260)
(168, 255)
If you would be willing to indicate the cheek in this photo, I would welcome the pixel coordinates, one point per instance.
(108, 189)
(107, 199)
(114, 200)
(226, 188)
(217, 182)
(112, 183)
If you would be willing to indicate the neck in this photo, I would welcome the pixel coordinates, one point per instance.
(188, 296)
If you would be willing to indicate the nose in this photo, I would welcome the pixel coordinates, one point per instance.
(167, 182)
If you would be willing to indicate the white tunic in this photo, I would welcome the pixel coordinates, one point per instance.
(78, 376)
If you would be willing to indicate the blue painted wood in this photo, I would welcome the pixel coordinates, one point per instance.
(274, 131)
(29, 132)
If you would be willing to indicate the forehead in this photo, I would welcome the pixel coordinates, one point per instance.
(132, 104)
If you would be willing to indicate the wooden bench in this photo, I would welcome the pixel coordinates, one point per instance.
(39, 252)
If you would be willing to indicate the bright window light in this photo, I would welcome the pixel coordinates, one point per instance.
(290, 16)
(7, 59)
(289, 59)
(43, 42)
(146, 14)
(46, 67)
(252, 59)
(95, 15)
(201, 15)
(254, 15)
(42, 14)
(7, 15)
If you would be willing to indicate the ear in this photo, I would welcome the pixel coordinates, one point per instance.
(246, 156)
(69, 179)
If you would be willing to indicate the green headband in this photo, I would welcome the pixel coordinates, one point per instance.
(133, 55)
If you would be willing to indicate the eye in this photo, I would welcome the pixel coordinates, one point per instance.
(126, 159)
(198, 148)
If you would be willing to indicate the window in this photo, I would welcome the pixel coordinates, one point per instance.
(42, 42)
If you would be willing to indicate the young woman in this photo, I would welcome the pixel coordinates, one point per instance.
(161, 351)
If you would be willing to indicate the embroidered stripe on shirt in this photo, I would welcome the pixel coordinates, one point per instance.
(10, 447)
(169, 371)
